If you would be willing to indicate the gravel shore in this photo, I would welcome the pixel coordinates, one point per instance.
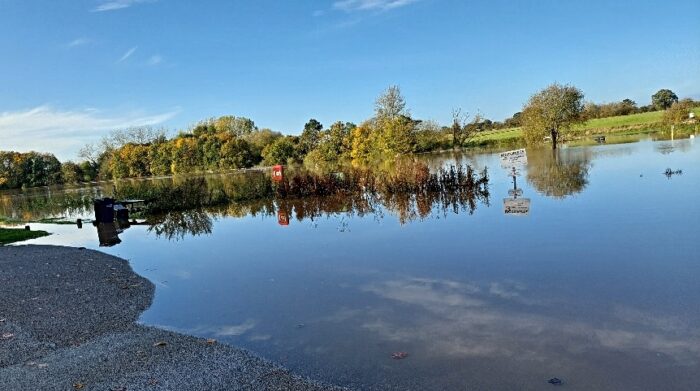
(68, 321)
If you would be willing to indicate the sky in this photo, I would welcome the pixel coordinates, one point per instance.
(72, 70)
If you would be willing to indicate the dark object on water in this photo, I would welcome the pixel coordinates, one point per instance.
(555, 381)
(399, 355)
(121, 213)
(104, 210)
(108, 234)
(79, 223)
(108, 209)
(26, 228)
(669, 173)
(599, 139)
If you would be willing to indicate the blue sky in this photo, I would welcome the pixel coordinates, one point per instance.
(72, 70)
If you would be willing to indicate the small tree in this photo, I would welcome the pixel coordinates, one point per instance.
(677, 113)
(463, 129)
(663, 99)
(550, 112)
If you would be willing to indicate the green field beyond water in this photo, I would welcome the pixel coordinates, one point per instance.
(625, 124)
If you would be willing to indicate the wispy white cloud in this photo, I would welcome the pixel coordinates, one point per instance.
(461, 319)
(155, 60)
(78, 42)
(371, 5)
(127, 54)
(64, 132)
(114, 5)
(235, 330)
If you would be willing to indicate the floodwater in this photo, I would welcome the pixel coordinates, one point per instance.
(595, 280)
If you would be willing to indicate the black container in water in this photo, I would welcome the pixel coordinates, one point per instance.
(104, 210)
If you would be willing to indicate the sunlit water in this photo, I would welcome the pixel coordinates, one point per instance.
(599, 285)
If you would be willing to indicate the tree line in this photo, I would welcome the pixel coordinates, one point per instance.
(230, 142)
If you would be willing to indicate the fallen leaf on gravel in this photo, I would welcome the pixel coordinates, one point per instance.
(78, 386)
(7, 336)
(160, 343)
(211, 341)
(399, 355)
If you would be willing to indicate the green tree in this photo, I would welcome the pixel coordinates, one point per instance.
(281, 151)
(628, 106)
(185, 157)
(334, 144)
(310, 136)
(398, 134)
(677, 113)
(10, 169)
(89, 170)
(40, 169)
(160, 157)
(364, 140)
(514, 121)
(209, 151)
(237, 126)
(236, 153)
(260, 139)
(550, 112)
(71, 172)
(428, 136)
(663, 99)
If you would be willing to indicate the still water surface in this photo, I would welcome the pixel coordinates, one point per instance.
(599, 285)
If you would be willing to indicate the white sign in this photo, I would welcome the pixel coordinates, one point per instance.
(510, 159)
(516, 206)
(515, 192)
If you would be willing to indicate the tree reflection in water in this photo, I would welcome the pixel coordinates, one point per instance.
(178, 224)
(558, 173)
(408, 190)
(182, 206)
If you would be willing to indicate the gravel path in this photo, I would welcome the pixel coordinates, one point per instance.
(67, 322)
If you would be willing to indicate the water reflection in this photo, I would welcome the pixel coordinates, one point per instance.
(108, 233)
(177, 225)
(559, 173)
(407, 206)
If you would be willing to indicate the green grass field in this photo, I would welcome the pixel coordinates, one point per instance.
(11, 235)
(650, 118)
(627, 124)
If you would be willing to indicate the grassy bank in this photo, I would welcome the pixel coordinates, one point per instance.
(11, 235)
(627, 125)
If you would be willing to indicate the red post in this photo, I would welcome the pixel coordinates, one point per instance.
(282, 217)
(278, 173)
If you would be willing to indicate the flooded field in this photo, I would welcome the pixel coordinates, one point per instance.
(585, 268)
